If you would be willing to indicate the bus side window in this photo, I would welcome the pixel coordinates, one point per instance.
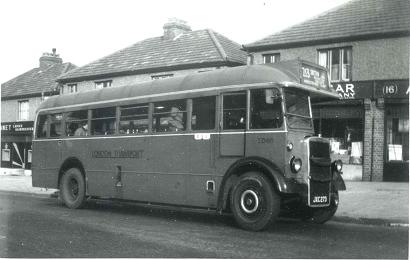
(134, 119)
(42, 126)
(203, 113)
(103, 121)
(266, 112)
(75, 120)
(56, 125)
(234, 111)
(169, 116)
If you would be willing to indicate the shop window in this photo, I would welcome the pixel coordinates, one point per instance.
(23, 113)
(134, 119)
(169, 116)
(5, 155)
(29, 156)
(103, 121)
(203, 113)
(398, 139)
(234, 111)
(345, 135)
(338, 61)
(271, 58)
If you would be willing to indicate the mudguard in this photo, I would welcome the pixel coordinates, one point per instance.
(281, 184)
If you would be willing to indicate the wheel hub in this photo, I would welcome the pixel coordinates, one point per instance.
(249, 201)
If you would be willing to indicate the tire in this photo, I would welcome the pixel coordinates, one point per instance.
(322, 215)
(254, 202)
(72, 188)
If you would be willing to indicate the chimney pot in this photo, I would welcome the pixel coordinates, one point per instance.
(50, 59)
(175, 27)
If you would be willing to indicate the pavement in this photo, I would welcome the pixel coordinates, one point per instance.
(371, 203)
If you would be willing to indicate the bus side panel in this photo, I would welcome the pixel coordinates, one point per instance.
(271, 146)
(116, 165)
(170, 168)
(46, 164)
(202, 154)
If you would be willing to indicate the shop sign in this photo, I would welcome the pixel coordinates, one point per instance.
(392, 89)
(17, 127)
(354, 90)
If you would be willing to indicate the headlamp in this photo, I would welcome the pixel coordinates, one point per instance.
(295, 164)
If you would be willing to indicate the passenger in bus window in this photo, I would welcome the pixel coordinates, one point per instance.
(175, 120)
(82, 130)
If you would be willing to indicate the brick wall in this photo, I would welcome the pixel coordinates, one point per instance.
(373, 147)
(371, 60)
(9, 109)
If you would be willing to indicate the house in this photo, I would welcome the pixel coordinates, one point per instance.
(365, 46)
(20, 98)
(179, 51)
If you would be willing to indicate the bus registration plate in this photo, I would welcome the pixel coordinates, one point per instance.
(319, 194)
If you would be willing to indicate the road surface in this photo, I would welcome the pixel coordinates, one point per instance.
(36, 226)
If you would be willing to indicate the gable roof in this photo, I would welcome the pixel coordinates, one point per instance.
(357, 19)
(193, 48)
(35, 81)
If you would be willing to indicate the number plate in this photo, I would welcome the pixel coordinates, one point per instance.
(319, 194)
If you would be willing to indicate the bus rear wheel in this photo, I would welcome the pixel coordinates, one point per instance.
(72, 188)
(254, 202)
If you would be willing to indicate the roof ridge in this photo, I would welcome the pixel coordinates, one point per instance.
(218, 45)
(305, 21)
(105, 56)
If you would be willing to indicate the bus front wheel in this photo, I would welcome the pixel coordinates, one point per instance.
(254, 202)
(72, 188)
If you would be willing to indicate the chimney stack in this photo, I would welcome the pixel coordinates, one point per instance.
(175, 27)
(49, 59)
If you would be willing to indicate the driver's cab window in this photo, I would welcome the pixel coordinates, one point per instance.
(234, 111)
(266, 109)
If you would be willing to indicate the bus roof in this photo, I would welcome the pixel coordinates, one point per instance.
(296, 74)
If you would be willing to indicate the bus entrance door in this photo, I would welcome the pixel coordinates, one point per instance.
(233, 124)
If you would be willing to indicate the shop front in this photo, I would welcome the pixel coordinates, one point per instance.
(395, 95)
(343, 123)
(16, 149)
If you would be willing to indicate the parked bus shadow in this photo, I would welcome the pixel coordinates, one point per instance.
(185, 214)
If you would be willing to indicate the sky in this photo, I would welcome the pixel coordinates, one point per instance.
(85, 30)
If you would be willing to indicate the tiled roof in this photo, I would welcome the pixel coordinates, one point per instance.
(351, 20)
(191, 48)
(35, 81)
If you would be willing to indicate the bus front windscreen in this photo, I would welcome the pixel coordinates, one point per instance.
(298, 110)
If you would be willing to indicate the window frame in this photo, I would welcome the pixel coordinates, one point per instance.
(105, 84)
(92, 120)
(131, 106)
(191, 110)
(273, 57)
(341, 65)
(23, 111)
(222, 110)
(72, 86)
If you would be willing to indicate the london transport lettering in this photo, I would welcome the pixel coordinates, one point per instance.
(132, 154)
